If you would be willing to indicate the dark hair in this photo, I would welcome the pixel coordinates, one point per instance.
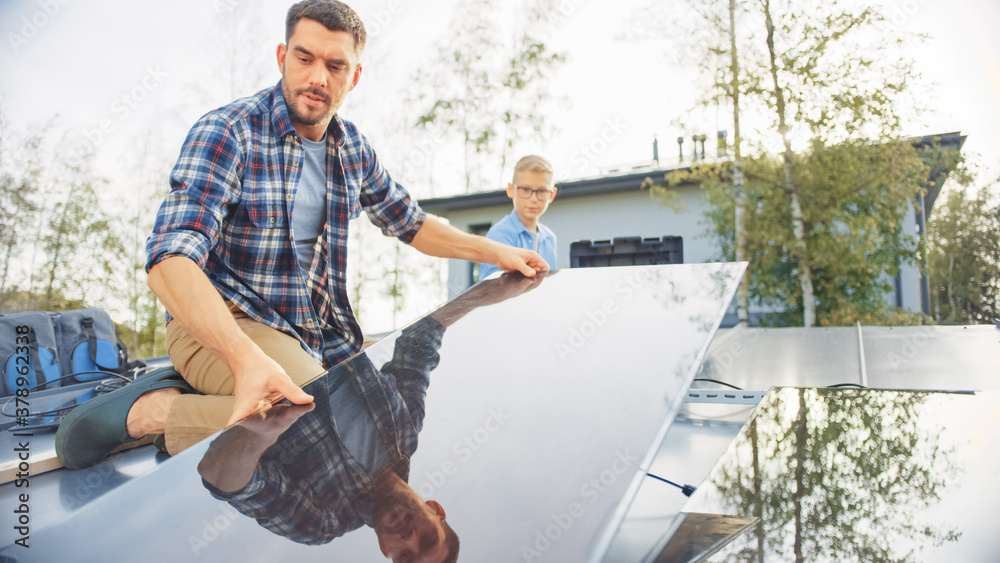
(335, 16)
(451, 541)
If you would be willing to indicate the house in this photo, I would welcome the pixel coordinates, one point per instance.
(614, 205)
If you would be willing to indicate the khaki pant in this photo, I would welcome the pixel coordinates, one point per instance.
(193, 418)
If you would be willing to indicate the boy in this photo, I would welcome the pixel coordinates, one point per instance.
(532, 190)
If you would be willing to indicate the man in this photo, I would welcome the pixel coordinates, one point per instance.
(248, 253)
(532, 190)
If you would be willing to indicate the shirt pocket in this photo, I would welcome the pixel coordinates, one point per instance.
(263, 246)
(264, 202)
(267, 215)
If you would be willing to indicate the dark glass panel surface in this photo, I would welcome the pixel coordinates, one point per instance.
(527, 408)
(861, 475)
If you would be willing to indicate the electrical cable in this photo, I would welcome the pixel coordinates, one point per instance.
(688, 490)
(719, 382)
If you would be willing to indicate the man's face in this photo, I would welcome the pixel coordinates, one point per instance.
(410, 531)
(532, 207)
(318, 68)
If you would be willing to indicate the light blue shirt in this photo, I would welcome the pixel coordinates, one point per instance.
(510, 230)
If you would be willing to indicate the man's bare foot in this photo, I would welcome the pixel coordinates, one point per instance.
(148, 414)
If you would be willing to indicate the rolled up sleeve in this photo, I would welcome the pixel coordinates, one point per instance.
(204, 183)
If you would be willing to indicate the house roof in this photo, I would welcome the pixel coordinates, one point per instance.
(631, 180)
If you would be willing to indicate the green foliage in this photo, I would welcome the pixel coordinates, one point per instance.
(854, 199)
(964, 255)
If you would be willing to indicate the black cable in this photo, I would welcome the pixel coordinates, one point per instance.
(686, 489)
(98, 387)
(719, 382)
(858, 385)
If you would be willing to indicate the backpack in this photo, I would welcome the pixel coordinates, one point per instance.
(51, 349)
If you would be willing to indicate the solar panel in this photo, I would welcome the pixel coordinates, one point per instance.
(527, 410)
(855, 474)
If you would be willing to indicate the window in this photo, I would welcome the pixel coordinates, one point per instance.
(477, 229)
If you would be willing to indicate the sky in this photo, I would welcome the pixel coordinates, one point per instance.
(116, 74)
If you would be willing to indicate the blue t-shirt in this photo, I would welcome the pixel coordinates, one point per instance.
(309, 210)
(510, 230)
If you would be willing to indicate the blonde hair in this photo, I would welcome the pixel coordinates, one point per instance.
(533, 163)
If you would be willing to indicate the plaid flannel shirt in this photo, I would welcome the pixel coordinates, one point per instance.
(229, 210)
(307, 487)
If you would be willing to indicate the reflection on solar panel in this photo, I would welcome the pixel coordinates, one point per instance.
(860, 475)
(527, 410)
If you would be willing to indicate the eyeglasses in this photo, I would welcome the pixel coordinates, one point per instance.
(525, 193)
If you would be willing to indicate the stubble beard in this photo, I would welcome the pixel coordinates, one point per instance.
(296, 112)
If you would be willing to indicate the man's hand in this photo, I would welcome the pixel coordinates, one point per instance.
(258, 381)
(187, 293)
(444, 241)
(527, 262)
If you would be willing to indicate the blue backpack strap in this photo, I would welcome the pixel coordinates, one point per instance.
(87, 323)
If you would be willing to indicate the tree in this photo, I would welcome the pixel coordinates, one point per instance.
(834, 75)
(964, 256)
(486, 93)
(801, 249)
(859, 194)
(19, 186)
(83, 248)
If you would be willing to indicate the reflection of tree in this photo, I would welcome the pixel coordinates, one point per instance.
(839, 473)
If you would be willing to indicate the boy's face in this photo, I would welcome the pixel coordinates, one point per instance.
(530, 208)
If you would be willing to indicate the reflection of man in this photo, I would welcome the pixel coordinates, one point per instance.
(313, 474)
(248, 253)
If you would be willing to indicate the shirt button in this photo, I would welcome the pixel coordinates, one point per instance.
(271, 220)
(289, 197)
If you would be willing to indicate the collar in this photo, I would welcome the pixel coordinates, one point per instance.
(520, 225)
(281, 122)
